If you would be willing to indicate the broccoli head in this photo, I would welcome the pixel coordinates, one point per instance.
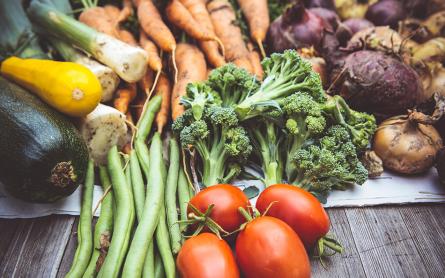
(360, 125)
(285, 74)
(330, 163)
(219, 140)
(198, 96)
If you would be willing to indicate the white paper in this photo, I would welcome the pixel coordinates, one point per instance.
(388, 189)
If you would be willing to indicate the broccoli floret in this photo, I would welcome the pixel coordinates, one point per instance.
(199, 96)
(232, 83)
(361, 126)
(330, 163)
(219, 140)
(285, 74)
(304, 122)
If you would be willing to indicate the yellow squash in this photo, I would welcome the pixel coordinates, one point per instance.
(68, 87)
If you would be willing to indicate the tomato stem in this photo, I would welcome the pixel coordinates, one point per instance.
(245, 214)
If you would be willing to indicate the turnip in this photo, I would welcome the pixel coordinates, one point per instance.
(386, 12)
(408, 144)
(357, 24)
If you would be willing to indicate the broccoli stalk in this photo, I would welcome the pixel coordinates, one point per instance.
(286, 74)
(267, 137)
(219, 141)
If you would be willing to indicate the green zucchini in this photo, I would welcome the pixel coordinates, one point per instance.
(42, 156)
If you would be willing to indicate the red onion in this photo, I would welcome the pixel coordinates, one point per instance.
(295, 29)
(357, 24)
(386, 12)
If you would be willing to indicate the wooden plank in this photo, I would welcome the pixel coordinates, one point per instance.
(427, 229)
(10, 261)
(70, 249)
(348, 263)
(43, 247)
(8, 230)
(385, 246)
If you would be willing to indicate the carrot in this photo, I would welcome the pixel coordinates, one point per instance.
(255, 60)
(163, 88)
(257, 16)
(126, 12)
(152, 24)
(223, 18)
(146, 83)
(154, 60)
(98, 18)
(113, 13)
(191, 68)
(124, 96)
(127, 37)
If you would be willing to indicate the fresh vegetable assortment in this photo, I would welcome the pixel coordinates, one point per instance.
(169, 101)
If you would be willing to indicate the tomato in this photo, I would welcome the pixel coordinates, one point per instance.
(269, 248)
(298, 208)
(206, 256)
(227, 199)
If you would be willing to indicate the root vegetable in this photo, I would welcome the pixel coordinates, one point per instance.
(357, 24)
(386, 12)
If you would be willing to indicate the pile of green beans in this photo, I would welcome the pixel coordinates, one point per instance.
(137, 233)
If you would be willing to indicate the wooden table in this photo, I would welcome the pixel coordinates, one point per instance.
(396, 241)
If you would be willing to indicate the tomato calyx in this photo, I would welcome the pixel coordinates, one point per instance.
(326, 246)
(202, 220)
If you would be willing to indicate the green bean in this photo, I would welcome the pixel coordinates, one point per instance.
(163, 242)
(159, 266)
(170, 197)
(84, 230)
(143, 129)
(150, 216)
(124, 220)
(183, 194)
(137, 182)
(104, 225)
(149, 264)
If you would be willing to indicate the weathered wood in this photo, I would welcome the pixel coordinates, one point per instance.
(42, 248)
(8, 230)
(70, 249)
(343, 265)
(426, 226)
(385, 246)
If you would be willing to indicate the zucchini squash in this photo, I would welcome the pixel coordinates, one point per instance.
(68, 87)
(42, 156)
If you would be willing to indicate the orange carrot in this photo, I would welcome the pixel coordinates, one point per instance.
(98, 19)
(163, 88)
(257, 16)
(127, 37)
(126, 12)
(154, 60)
(255, 60)
(191, 68)
(146, 83)
(223, 18)
(113, 12)
(152, 24)
(124, 96)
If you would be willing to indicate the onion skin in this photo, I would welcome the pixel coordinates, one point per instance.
(357, 24)
(405, 146)
(376, 83)
(295, 29)
(386, 12)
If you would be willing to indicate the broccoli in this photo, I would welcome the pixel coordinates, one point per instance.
(331, 162)
(219, 140)
(304, 122)
(361, 126)
(198, 96)
(285, 74)
(267, 137)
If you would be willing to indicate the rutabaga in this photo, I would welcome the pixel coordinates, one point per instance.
(107, 77)
(129, 62)
(101, 129)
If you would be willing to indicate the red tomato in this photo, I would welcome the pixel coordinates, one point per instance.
(206, 256)
(269, 248)
(298, 208)
(227, 199)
